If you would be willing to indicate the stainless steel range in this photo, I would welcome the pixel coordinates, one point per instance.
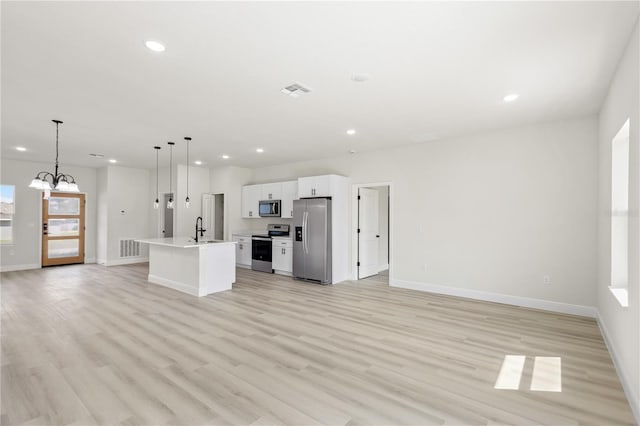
(261, 247)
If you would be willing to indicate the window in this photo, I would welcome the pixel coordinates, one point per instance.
(7, 210)
(620, 215)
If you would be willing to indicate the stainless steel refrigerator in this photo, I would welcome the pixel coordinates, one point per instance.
(312, 240)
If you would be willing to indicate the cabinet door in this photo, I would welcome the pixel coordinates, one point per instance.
(271, 191)
(277, 256)
(289, 193)
(322, 186)
(238, 251)
(245, 253)
(305, 186)
(250, 199)
(287, 259)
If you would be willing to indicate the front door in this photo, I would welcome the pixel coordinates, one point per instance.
(63, 229)
(369, 235)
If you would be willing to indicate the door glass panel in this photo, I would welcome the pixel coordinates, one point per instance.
(64, 205)
(64, 227)
(63, 248)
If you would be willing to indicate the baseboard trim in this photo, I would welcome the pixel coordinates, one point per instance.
(632, 398)
(546, 305)
(127, 261)
(24, 267)
(239, 265)
(383, 267)
(90, 260)
(175, 285)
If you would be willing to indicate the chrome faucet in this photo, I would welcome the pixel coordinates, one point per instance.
(201, 229)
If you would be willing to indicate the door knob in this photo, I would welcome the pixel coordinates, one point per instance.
(377, 236)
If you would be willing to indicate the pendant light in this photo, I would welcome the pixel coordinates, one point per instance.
(187, 202)
(156, 204)
(170, 202)
(58, 181)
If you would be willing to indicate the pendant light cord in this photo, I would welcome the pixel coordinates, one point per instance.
(187, 169)
(157, 165)
(188, 139)
(170, 170)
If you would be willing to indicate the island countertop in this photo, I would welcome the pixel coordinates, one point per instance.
(183, 242)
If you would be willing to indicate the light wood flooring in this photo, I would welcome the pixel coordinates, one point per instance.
(88, 345)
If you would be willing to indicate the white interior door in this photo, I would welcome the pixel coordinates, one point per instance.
(368, 237)
(208, 215)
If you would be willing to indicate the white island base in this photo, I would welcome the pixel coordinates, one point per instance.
(193, 268)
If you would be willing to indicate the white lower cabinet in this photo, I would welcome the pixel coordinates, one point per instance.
(243, 250)
(282, 255)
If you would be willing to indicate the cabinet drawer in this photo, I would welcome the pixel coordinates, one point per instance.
(242, 239)
(282, 243)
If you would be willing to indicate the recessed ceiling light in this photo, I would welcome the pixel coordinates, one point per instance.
(510, 98)
(352, 151)
(154, 45)
(351, 132)
(296, 89)
(360, 77)
(225, 157)
(113, 160)
(198, 163)
(21, 148)
(259, 150)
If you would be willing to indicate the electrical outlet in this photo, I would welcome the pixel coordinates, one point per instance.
(546, 279)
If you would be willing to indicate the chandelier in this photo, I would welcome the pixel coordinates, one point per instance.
(59, 181)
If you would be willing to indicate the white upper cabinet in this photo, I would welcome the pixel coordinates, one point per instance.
(289, 193)
(286, 192)
(271, 191)
(251, 196)
(315, 186)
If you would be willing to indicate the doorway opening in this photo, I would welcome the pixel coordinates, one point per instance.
(213, 216)
(373, 242)
(167, 217)
(63, 229)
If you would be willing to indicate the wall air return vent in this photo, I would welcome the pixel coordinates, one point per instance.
(295, 90)
(132, 248)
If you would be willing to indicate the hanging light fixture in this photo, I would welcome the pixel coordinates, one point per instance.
(59, 181)
(170, 202)
(187, 202)
(156, 204)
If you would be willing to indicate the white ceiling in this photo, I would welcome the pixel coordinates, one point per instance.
(437, 70)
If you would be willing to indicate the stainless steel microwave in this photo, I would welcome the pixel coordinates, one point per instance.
(269, 208)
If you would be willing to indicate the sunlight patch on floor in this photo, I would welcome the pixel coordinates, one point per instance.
(546, 375)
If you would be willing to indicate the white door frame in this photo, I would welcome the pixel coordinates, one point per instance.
(354, 225)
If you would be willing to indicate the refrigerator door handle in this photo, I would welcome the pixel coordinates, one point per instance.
(305, 230)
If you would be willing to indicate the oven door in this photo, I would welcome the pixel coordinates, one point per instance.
(261, 254)
(269, 208)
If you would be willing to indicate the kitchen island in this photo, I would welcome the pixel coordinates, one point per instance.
(196, 268)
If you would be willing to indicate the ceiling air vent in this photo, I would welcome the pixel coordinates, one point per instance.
(295, 90)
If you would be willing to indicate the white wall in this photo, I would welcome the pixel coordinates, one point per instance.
(102, 216)
(127, 192)
(489, 213)
(25, 252)
(229, 181)
(199, 183)
(156, 216)
(621, 325)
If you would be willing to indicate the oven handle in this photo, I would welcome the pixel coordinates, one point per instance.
(261, 239)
